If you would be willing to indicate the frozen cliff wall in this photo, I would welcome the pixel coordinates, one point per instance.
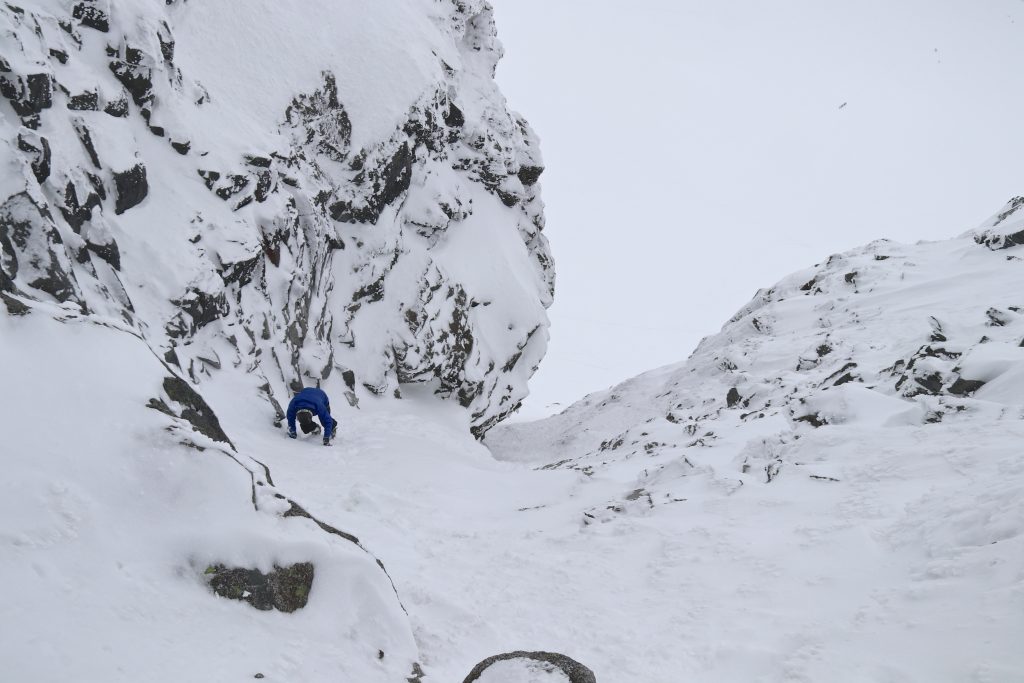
(309, 191)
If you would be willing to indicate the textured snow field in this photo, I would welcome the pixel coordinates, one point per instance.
(885, 547)
(907, 569)
(107, 524)
(753, 514)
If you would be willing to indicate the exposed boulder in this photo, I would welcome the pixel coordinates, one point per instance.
(86, 101)
(190, 407)
(92, 14)
(540, 664)
(33, 251)
(29, 95)
(130, 188)
(38, 149)
(285, 589)
(118, 107)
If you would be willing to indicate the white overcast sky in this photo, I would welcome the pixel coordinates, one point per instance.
(698, 150)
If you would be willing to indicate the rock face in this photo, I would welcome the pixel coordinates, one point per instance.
(278, 208)
(1005, 229)
(545, 663)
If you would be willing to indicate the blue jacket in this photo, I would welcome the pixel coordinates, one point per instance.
(315, 400)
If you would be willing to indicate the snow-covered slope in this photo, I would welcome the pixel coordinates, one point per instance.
(114, 514)
(203, 207)
(319, 192)
(832, 487)
(653, 533)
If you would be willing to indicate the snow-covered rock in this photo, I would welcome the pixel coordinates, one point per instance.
(834, 479)
(530, 667)
(125, 497)
(328, 192)
(888, 334)
(203, 207)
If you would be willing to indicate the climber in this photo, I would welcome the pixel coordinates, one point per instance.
(303, 405)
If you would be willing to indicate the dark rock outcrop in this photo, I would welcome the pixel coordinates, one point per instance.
(38, 149)
(997, 236)
(965, 387)
(27, 231)
(190, 407)
(29, 95)
(388, 182)
(576, 672)
(196, 309)
(92, 14)
(130, 188)
(87, 101)
(79, 201)
(285, 589)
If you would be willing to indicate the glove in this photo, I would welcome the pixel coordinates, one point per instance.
(292, 435)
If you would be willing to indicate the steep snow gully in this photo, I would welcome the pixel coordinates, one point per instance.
(195, 220)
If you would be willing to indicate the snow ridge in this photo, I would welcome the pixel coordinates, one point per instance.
(849, 443)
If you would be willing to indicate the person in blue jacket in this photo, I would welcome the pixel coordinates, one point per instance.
(303, 406)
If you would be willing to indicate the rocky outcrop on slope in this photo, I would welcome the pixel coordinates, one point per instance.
(532, 666)
(884, 335)
(285, 589)
(302, 247)
(1005, 229)
(146, 514)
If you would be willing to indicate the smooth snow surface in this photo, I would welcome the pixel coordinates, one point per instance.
(393, 44)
